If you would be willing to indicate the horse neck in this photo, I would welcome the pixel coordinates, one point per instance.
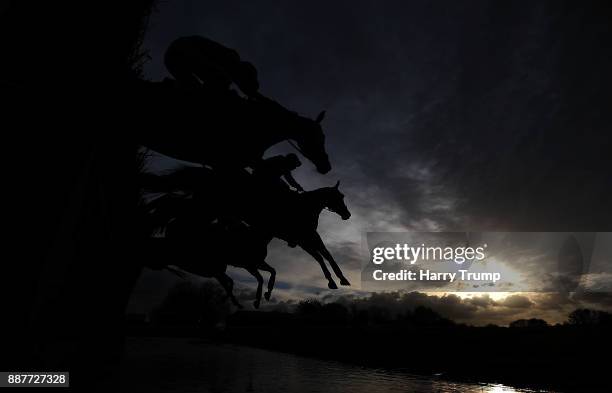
(313, 201)
(282, 124)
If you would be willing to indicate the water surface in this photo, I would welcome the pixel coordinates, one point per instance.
(190, 365)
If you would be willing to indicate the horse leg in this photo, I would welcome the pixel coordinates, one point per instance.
(255, 273)
(331, 284)
(327, 255)
(267, 268)
(228, 284)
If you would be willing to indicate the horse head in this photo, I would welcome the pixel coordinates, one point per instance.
(310, 142)
(334, 201)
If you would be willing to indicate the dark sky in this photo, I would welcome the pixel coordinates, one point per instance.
(442, 115)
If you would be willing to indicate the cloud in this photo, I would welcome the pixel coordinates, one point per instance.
(594, 299)
(516, 301)
(432, 124)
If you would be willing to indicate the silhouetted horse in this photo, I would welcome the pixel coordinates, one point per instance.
(243, 247)
(188, 235)
(187, 254)
(296, 222)
(293, 217)
(209, 255)
(226, 132)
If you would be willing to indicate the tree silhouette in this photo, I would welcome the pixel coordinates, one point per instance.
(587, 317)
(308, 307)
(529, 323)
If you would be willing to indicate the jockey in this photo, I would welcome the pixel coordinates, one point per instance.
(270, 174)
(273, 170)
(197, 61)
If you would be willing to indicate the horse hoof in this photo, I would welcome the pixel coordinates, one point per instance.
(344, 281)
(267, 295)
(256, 304)
(332, 285)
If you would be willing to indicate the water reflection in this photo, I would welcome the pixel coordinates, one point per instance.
(182, 365)
(500, 389)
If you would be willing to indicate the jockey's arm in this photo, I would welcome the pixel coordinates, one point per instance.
(292, 182)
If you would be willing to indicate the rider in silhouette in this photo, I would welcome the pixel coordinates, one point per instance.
(200, 62)
(273, 170)
(269, 174)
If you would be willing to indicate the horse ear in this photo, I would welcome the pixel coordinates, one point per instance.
(337, 184)
(320, 117)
